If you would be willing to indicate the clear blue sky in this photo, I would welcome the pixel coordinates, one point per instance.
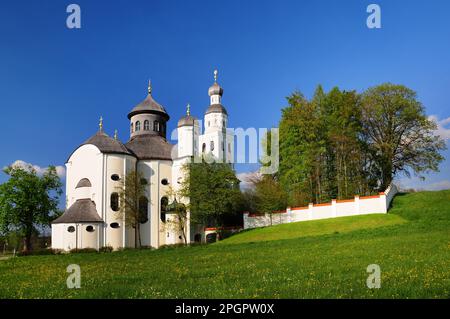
(56, 82)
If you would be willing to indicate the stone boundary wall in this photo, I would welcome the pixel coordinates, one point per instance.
(359, 205)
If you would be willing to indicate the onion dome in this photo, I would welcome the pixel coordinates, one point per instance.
(187, 120)
(149, 105)
(215, 89)
(215, 92)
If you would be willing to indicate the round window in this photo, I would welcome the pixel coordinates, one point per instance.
(70, 229)
(143, 181)
(90, 229)
(164, 181)
(115, 177)
(114, 225)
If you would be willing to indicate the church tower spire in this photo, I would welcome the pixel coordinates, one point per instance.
(215, 91)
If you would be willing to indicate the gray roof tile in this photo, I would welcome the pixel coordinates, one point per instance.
(82, 211)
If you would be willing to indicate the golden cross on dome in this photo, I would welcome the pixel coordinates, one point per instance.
(149, 87)
(188, 111)
(215, 75)
(115, 135)
(100, 125)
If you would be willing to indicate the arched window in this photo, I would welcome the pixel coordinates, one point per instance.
(156, 126)
(164, 203)
(211, 145)
(115, 202)
(204, 148)
(143, 210)
(131, 128)
(138, 126)
(198, 238)
(146, 125)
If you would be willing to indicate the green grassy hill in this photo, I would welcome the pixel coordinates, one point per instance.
(317, 259)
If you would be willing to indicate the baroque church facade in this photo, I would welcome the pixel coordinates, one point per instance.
(95, 169)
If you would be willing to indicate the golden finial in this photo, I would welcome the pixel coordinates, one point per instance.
(215, 75)
(115, 134)
(149, 87)
(188, 110)
(100, 125)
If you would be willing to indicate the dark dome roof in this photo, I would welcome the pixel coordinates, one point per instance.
(187, 120)
(149, 105)
(107, 144)
(216, 108)
(215, 89)
(82, 211)
(146, 147)
(84, 183)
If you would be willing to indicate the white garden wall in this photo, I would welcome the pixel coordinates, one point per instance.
(377, 204)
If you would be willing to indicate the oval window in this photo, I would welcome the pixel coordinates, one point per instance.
(115, 202)
(90, 229)
(115, 177)
(164, 181)
(114, 225)
(143, 181)
(70, 229)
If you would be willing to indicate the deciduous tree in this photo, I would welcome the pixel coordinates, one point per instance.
(28, 201)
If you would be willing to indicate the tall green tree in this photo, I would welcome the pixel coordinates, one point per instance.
(178, 212)
(28, 201)
(399, 134)
(212, 189)
(133, 202)
(270, 196)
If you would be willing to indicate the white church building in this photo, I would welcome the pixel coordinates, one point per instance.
(95, 170)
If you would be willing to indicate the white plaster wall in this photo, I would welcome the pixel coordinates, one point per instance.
(371, 206)
(300, 215)
(85, 162)
(120, 165)
(359, 206)
(153, 232)
(80, 238)
(90, 239)
(322, 212)
(187, 140)
(345, 209)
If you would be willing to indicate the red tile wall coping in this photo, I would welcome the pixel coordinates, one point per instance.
(223, 228)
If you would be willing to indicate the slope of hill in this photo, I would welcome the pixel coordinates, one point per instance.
(329, 259)
(314, 228)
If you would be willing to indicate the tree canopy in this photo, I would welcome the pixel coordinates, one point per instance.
(28, 201)
(212, 189)
(342, 143)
